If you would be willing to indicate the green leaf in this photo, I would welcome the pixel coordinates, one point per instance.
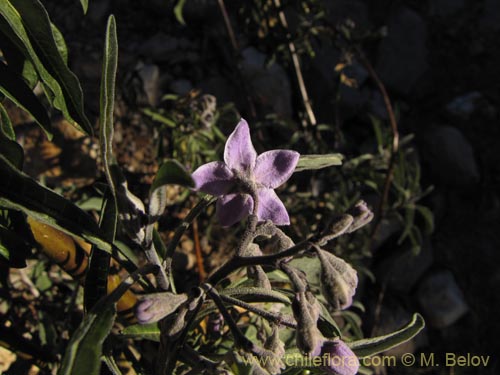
(15, 88)
(5, 125)
(143, 332)
(172, 172)
(129, 207)
(85, 5)
(372, 346)
(20, 192)
(4, 251)
(155, 116)
(60, 43)
(8, 145)
(107, 99)
(96, 279)
(254, 294)
(428, 217)
(309, 162)
(83, 354)
(27, 25)
(178, 11)
(16, 59)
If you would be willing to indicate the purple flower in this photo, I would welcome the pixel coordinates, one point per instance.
(338, 358)
(244, 175)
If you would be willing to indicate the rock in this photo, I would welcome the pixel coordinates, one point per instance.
(441, 299)
(180, 86)
(450, 157)
(446, 7)
(339, 11)
(402, 270)
(402, 55)
(165, 48)
(490, 19)
(98, 11)
(463, 106)
(150, 76)
(389, 226)
(269, 84)
(392, 317)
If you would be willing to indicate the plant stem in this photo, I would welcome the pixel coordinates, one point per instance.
(181, 229)
(275, 318)
(394, 146)
(296, 65)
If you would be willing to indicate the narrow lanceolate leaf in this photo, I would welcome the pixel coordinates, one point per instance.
(83, 354)
(20, 192)
(372, 346)
(13, 248)
(142, 332)
(96, 280)
(85, 5)
(16, 59)
(254, 294)
(8, 145)
(170, 173)
(309, 162)
(6, 125)
(60, 43)
(130, 208)
(27, 25)
(107, 99)
(15, 88)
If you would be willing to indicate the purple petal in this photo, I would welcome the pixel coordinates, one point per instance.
(213, 178)
(239, 152)
(340, 358)
(232, 208)
(271, 208)
(274, 167)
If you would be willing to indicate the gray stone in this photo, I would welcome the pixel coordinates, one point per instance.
(402, 270)
(150, 76)
(98, 11)
(464, 105)
(339, 11)
(160, 47)
(446, 7)
(392, 317)
(441, 299)
(402, 55)
(450, 157)
(270, 84)
(490, 19)
(180, 86)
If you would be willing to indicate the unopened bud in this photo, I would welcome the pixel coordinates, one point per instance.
(306, 312)
(275, 346)
(339, 280)
(361, 215)
(339, 358)
(154, 307)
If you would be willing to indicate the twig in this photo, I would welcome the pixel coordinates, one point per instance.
(277, 318)
(236, 52)
(296, 65)
(199, 257)
(395, 142)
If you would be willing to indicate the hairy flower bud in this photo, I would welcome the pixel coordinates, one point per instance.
(339, 280)
(154, 307)
(275, 346)
(339, 358)
(361, 215)
(306, 312)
